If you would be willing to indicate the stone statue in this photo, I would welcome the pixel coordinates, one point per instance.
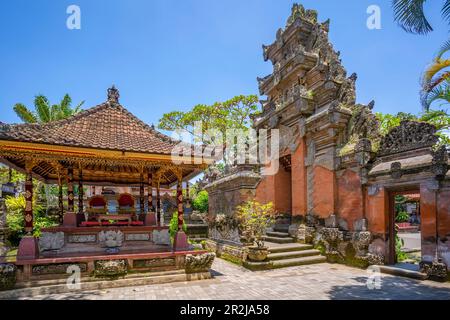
(111, 238)
(51, 241)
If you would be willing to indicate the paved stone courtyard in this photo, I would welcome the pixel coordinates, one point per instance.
(319, 282)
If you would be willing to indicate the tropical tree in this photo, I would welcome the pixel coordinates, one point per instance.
(46, 112)
(436, 79)
(439, 118)
(233, 114)
(410, 15)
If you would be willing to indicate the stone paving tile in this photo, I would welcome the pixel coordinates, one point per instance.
(320, 282)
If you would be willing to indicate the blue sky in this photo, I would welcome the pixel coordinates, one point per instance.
(165, 55)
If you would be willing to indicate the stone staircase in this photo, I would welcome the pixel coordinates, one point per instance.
(284, 252)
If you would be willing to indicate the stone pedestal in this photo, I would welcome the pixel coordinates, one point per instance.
(70, 219)
(28, 248)
(180, 242)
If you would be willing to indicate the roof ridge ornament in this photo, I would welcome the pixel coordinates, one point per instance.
(113, 94)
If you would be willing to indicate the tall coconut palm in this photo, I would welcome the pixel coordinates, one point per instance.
(45, 112)
(411, 16)
(436, 79)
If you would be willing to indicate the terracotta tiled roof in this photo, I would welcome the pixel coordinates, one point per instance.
(107, 126)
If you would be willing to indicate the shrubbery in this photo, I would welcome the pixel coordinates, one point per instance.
(15, 219)
(200, 202)
(173, 226)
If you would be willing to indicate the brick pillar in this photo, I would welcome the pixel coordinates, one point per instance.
(70, 196)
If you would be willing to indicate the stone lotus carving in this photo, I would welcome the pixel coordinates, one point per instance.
(7, 276)
(110, 268)
(410, 135)
(111, 238)
(51, 241)
(199, 263)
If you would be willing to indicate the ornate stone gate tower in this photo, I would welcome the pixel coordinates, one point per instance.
(310, 100)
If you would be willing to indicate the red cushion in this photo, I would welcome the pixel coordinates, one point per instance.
(89, 223)
(97, 202)
(126, 200)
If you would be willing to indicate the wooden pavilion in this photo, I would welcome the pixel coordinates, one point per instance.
(102, 146)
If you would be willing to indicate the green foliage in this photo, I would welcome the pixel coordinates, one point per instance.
(173, 226)
(10, 175)
(402, 216)
(45, 112)
(254, 218)
(399, 243)
(439, 118)
(216, 118)
(15, 219)
(200, 202)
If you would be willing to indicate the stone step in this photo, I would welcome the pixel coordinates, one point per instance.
(281, 228)
(278, 239)
(293, 254)
(276, 248)
(267, 265)
(299, 261)
(277, 234)
(402, 272)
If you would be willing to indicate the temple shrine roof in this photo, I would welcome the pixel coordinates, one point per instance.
(107, 126)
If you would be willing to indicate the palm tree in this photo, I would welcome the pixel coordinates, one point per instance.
(436, 79)
(45, 112)
(410, 15)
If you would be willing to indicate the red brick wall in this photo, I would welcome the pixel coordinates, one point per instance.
(277, 189)
(428, 222)
(299, 204)
(444, 225)
(324, 192)
(377, 212)
(350, 199)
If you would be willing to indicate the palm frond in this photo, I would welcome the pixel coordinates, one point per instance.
(437, 66)
(24, 114)
(410, 15)
(446, 11)
(65, 105)
(444, 49)
(42, 107)
(78, 109)
(441, 92)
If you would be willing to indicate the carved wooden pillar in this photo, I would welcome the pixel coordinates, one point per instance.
(187, 191)
(29, 199)
(70, 196)
(60, 197)
(80, 190)
(141, 194)
(150, 193)
(180, 203)
(158, 202)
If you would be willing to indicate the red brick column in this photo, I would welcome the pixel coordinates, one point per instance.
(180, 242)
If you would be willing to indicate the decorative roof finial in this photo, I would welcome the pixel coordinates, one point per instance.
(113, 94)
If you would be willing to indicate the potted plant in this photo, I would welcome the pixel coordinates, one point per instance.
(254, 218)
